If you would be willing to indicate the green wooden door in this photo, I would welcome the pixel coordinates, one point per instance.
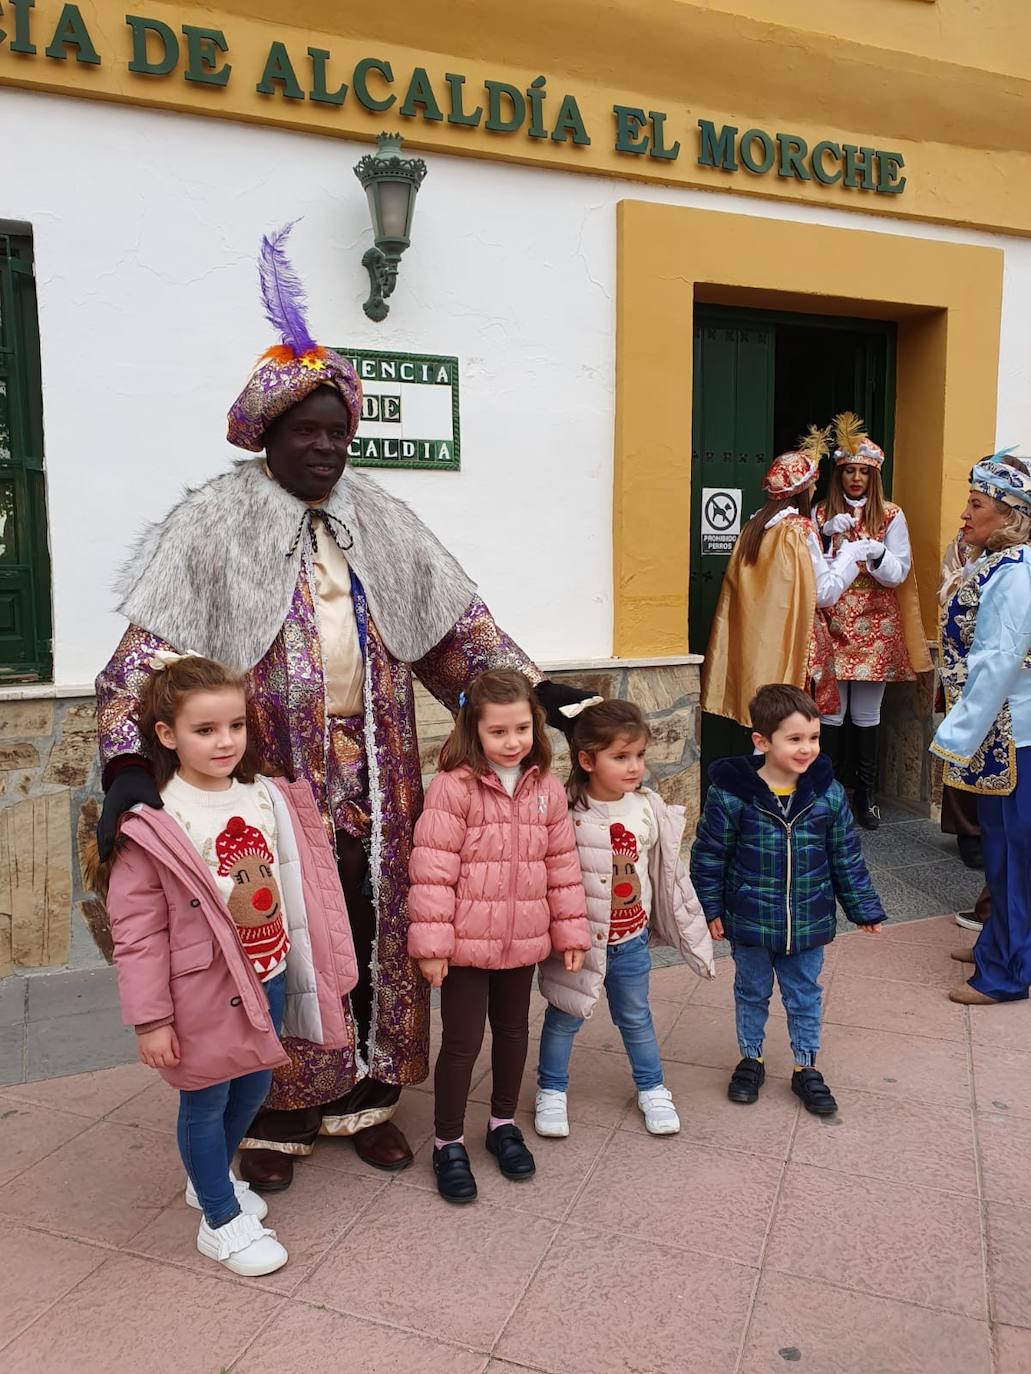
(25, 645)
(760, 379)
(731, 443)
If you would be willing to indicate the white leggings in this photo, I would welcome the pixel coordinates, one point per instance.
(864, 699)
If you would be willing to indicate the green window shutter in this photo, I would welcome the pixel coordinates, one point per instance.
(25, 617)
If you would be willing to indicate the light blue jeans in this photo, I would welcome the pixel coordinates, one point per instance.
(626, 984)
(801, 993)
(213, 1121)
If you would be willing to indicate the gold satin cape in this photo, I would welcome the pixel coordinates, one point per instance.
(763, 624)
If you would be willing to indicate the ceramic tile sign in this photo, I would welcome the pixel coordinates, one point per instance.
(409, 411)
(721, 519)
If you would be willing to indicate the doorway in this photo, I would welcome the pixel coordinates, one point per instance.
(760, 379)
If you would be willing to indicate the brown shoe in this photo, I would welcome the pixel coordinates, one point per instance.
(384, 1147)
(963, 956)
(268, 1171)
(970, 997)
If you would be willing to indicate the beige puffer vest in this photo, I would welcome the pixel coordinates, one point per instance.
(676, 917)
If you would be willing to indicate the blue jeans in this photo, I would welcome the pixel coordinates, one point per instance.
(626, 984)
(797, 974)
(213, 1121)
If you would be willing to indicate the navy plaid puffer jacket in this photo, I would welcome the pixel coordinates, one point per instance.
(773, 879)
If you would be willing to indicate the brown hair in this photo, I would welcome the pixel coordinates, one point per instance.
(165, 693)
(751, 537)
(874, 513)
(772, 705)
(593, 730)
(162, 698)
(498, 687)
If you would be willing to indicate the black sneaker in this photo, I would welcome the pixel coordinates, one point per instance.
(746, 1080)
(515, 1161)
(816, 1097)
(455, 1182)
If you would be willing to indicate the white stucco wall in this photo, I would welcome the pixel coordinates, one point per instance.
(146, 229)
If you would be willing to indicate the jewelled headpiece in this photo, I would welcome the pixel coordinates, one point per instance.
(793, 471)
(291, 370)
(1002, 482)
(853, 445)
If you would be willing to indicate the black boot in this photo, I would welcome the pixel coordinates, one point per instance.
(864, 801)
(830, 744)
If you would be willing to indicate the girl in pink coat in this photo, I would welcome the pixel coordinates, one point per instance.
(495, 888)
(227, 914)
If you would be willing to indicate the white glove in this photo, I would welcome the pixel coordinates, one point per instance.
(854, 551)
(874, 550)
(840, 524)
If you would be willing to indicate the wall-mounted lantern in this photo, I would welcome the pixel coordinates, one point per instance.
(391, 183)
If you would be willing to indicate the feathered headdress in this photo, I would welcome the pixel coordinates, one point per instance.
(284, 298)
(816, 443)
(291, 370)
(853, 444)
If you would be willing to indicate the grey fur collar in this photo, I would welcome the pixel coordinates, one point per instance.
(213, 576)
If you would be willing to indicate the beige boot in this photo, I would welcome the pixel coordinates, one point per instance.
(970, 997)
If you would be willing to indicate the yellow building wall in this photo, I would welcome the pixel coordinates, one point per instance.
(917, 77)
(946, 298)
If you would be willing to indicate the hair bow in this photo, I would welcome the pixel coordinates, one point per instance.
(461, 700)
(164, 658)
(573, 710)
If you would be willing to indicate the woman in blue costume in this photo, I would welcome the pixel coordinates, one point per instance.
(985, 738)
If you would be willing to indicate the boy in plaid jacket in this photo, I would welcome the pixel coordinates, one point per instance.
(776, 846)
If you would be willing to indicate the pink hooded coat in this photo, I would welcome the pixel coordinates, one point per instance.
(178, 955)
(495, 880)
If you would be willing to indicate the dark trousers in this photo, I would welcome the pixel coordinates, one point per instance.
(468, 996)
(295, 1131)
(1003, 949)
(959, 813)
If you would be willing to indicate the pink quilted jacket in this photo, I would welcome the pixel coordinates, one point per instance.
(495, 879)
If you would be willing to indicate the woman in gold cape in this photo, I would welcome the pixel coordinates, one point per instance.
(766, 627)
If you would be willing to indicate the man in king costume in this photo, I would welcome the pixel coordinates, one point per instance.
(331, 593)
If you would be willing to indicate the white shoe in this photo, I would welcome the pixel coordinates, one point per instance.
(660, 1115)
(550, 1116)
(243, 1245)
(966, 920)
(251, 1205)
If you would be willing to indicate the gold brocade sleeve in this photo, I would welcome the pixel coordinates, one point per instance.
(763, 623)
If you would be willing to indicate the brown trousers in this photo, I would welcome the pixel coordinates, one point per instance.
(468, 997)
(959, 812)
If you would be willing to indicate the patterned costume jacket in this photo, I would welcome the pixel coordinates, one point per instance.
(985, 667)
(875, 626)
(365, 771)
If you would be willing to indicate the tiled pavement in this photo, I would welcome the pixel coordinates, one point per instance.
(893, 1239)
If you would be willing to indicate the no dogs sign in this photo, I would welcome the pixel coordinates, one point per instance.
(721, 519)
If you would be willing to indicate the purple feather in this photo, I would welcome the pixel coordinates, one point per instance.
(282, 293)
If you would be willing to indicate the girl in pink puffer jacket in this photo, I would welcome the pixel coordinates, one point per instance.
(495, 888)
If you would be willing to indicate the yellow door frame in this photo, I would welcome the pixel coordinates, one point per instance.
(946, 299)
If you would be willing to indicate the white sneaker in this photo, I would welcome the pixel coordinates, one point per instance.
(251, 1205)
(967, 921)
(550, 1116)
(243, 1245)
(660, 1115)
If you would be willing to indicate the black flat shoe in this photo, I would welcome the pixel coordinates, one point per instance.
(514, 1160)
(816, 1097)
(745, 1081)
(455, 1182)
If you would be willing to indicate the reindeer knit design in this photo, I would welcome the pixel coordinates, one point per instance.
(234, 833)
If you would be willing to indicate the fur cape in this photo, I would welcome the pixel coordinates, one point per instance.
(218, 574)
